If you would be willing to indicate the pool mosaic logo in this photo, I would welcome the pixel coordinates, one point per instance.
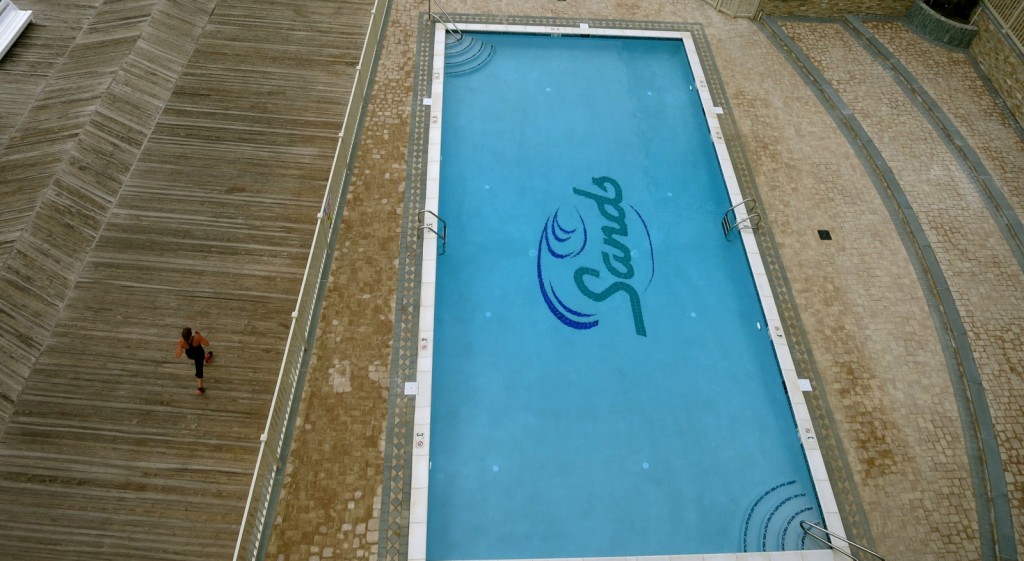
(580, 276)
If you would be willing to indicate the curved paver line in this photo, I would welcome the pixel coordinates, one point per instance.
(1005, 163)
(1003, 214)
(979, 434)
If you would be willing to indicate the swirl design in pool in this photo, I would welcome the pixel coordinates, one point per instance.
(560, 242)
(565, 237)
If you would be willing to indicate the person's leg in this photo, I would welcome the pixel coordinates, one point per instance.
(199, 375)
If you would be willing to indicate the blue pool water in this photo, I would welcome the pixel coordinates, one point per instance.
(601, 386)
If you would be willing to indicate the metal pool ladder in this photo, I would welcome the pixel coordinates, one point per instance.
(749, 222)
(453, 29)
(442, 235)
(806, 527)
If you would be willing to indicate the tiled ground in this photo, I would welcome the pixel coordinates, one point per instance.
(896, 439)
(998, 142)
(884, 389)
(982, 271)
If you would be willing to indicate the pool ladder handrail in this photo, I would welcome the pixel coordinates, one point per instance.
(454, 29)
(804, 526)
(442, 235)
(728, 225)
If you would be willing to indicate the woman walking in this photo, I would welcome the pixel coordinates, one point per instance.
(192, 345)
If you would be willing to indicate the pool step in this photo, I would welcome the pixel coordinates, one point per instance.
(466, 54)
(773, 520)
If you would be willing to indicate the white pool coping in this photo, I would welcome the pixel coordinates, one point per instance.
(417, 547)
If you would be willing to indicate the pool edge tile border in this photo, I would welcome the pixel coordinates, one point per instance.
(783, 355)
(807, 555)
(417, 546)
(417, 542)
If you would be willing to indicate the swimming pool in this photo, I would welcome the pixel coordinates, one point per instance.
(598, 372)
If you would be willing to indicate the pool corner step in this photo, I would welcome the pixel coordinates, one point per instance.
(466, 54)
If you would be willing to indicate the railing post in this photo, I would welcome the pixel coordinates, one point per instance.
(1015, 18)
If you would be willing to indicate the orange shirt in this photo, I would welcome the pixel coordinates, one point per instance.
(197, 339)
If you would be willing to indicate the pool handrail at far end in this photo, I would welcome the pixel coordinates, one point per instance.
(446, 21)
(807, 526)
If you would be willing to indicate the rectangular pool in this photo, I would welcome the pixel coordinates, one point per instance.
(602, 373)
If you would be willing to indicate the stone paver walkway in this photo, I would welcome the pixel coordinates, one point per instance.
(952, 79)
(849, 292)
(981, 269)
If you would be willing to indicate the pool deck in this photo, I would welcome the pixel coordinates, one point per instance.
(909, 322)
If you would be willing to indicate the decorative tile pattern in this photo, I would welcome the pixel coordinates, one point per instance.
(398, 452)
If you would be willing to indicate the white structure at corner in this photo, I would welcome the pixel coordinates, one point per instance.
(12, 22)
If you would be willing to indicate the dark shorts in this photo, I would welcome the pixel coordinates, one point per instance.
(199, 361)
